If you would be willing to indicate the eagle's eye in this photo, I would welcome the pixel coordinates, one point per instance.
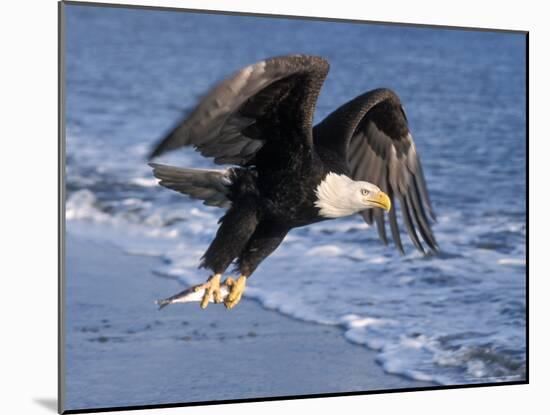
(364, 192)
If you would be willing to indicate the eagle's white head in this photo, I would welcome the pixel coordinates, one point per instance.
(338, 195)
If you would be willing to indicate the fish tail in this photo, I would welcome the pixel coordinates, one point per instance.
(163, 302)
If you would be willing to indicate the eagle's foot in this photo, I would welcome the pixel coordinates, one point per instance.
(211, 289)
(237, 289)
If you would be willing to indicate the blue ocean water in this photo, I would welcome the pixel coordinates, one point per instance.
(454, 318)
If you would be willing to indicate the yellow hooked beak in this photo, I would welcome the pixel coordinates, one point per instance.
(379, 199)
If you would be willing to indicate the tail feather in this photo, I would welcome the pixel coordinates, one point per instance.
(211, 186)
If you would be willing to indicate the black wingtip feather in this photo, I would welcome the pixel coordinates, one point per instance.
(419, 215)
(380, 225)
(423, 230)
(405, 209)
(155, 153)
(393, 225)
(160, 148)
(420, 182)
(367, 216)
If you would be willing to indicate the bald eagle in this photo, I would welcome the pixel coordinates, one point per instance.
(288, 173)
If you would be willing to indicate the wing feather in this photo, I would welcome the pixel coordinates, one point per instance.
(373, 135)
(257, 105)
(396, 236)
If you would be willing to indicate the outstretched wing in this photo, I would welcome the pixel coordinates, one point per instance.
(269, 101)
(371, 132)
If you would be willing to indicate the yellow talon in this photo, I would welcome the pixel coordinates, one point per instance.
(211, 289)
(218, 296)
(237, 290)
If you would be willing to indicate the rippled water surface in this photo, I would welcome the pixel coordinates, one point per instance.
(458, 317)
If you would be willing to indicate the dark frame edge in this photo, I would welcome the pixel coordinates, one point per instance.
(527, 207)
(291, 397)
(285, 16)
(61, 205)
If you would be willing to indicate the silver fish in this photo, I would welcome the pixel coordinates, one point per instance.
(190, 295)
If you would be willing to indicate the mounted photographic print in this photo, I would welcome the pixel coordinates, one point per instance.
(269, 207)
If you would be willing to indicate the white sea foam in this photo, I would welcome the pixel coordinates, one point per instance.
(325, 250)
(84, 205)
(145, 182)
(355, 321)
(378, 260)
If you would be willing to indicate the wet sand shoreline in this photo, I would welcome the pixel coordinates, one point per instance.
(122, 351)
